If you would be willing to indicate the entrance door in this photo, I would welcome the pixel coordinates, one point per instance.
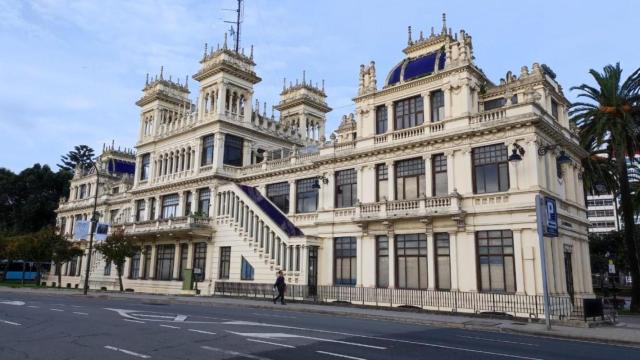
(568, 270)
(312, 280)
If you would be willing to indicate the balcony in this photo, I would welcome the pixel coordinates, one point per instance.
(174, 226)
(407, 209)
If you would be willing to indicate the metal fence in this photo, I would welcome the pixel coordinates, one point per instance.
(521, 306)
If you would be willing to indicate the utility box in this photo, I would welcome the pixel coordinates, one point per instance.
(187, 279)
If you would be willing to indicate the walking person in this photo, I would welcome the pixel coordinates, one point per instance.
(281, 286)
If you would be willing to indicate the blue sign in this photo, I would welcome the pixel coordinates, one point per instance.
(550, 217)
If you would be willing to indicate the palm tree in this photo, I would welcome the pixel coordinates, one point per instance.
(608, 123)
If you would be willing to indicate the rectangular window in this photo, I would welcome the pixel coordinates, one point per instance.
(490, 169)
(345, 255)
(71, 266)
(207, 150)
(382, 266)
(246, 270)
(381, 119)
(152, 208)
(495, 261)
(144, 172)
(107, 268)
(437, 105)
(410, 181)
(83, 191)
(134, 269)
(411, 261)
(184, 256)
(188, 198)
(233, 150)
(170, 206)
(199, 260)
(346, 188)
(439, 165)
(204, 201)
(306, 195)
(140, 209)
(225, 262)
(409, 113)
(382, 182)
(147, 261)
(279, 195)
(554, 108)
(164, 261)
(443, 261)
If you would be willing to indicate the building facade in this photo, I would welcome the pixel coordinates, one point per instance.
(429, 184)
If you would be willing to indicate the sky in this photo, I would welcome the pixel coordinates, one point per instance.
(71, 71)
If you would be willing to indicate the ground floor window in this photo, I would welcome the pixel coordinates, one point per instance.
(107, 268)
(443, 261)
(495, 259)
(199, 260)
(164, 261)
(246, 270)
(382, 263)
(411, 261)
(225, 262)
(72, 266)
(345, 255)
(134, 269)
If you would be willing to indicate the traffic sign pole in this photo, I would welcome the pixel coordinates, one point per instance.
(543, 258)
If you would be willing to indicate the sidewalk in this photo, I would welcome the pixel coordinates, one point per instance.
(626, 332)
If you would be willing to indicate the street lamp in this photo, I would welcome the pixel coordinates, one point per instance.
(316, 182)
(517, 153)
(94, 222)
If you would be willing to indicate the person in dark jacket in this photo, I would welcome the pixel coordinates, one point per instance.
(281, 287)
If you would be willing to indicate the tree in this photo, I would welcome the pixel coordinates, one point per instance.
(116, 249)
(608, 124)
(63, 251)
(81, 155)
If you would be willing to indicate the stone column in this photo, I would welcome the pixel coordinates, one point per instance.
(426, 102)
(190, 255)
(180, 209)
(222, 97)
(451, 181)
(154, 255)
(218, 150)
(391, 182)
(158, 207)
(359, 183)
(176, 262)
(453, 255)
(447, 101)
(391, 124)
(292, 197)
(304, 258)
(359, 274)
(517, 250)
(143, 261)
(392, 258)
(428, 176)
(431, 261)
(246, 152)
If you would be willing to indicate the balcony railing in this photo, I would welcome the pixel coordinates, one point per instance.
(409, 208)
(171, 224)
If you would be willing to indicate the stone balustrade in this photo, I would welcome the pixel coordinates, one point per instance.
(408, 208)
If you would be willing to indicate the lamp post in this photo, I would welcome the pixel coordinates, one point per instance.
(94, 222)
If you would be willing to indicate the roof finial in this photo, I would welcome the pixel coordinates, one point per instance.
(225, 41)
(251, 53)
(322, 84)
(147, 80)
(433, 32)
(421, 35)
(409, 39)
(161, 71)
(264, 111)
(284, 84)
(304, 77)
(444, 24)
(205, 50)
(186, 81)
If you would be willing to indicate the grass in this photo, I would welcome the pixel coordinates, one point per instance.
(17, 284)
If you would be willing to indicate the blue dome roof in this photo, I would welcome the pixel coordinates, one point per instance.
(413, 68)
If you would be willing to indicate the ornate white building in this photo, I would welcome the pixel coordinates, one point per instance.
(430, 184)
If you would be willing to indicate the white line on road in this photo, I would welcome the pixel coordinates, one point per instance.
(339, 355)
(9, 322)
(56, 309)
(33, 306)
(80, 313)
(169, 326)
(272, 343)
(235, 353)
(202, 331)
(127, 352)
(276, 316)
(496, 340)
(135, 321)
(285, 335)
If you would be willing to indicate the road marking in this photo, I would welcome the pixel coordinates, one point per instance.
(127, 352)
(202, 331)
(135, 321)
(150, 316)
(496, 340)
(234, 353)
(56, 309)
(10, 322)
(33, 306)
(283, 335)
(276, 316)
(12, 302)
(169, 326)
(80, 313)
(272, 343)
(339, 355)
(77, 306)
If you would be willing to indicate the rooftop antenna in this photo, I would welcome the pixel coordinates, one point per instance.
(235, 33)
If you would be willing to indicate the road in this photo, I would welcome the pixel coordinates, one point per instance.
(36, 326)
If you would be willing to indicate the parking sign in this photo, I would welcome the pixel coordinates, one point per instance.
(550, 217)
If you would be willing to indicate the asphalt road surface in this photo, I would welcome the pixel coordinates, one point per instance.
(52, 327)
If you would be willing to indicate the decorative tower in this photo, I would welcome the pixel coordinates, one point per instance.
(165, 105)
(303, 107)
(226, 81)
